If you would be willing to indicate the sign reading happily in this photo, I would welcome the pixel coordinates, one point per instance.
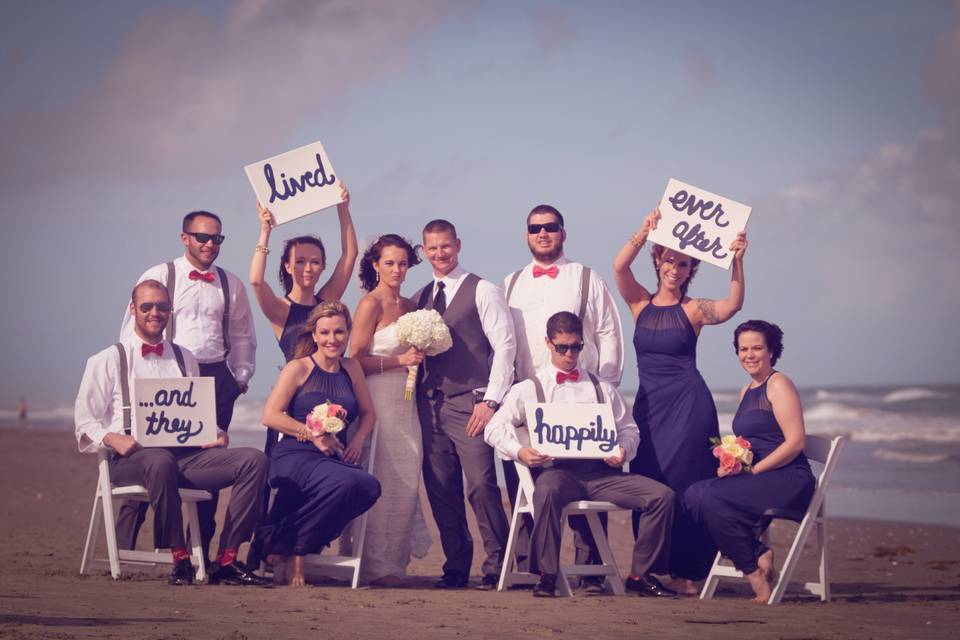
(572, 430)
(174, 412)
(296, 183)
(699, 224)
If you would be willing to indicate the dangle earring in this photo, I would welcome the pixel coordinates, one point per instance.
(378, 276)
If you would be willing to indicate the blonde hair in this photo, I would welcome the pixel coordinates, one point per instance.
(305, 344)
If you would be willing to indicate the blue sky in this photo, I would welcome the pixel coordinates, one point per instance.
(836, 121)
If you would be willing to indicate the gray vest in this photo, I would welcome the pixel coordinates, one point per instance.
(466, 365)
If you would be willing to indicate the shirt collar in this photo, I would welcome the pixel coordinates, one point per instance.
(562, 260)
(451, 278)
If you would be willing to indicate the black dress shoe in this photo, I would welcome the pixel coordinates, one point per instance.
(182, 573)
(236, 574)
(546, 587)
(649, 587)
(451, 580)
(489, 582)
(593, 585)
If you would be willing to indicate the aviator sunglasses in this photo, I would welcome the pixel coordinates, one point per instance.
(550, 227)
(147, 307)
(204, 238)
(562, 349)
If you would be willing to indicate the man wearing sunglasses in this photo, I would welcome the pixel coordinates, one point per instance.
(564, 380)
(103, 423)
(211, 317)
(552, 283)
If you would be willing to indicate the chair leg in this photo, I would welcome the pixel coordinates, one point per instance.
(793, 557)
(93, 531)
(509, 559)
(710, 585)
(357, 550)
(110, 528)
(193, 522)
(606, 554)
(822, 549)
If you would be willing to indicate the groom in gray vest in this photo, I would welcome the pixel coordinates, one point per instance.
(457, 396)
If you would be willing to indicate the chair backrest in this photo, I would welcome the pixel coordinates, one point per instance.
(523, 472)
(825, 451)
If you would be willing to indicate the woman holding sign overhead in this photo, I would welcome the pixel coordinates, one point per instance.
(674, 408)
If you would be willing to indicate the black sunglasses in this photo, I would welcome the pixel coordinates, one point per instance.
(551, 227)
(147, 307)
(562, 349)
(204, 238)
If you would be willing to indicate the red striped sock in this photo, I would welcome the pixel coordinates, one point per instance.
(180, 553)
(227, 556)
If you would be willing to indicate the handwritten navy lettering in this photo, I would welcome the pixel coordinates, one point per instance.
(687, 235)
(156, 424)
(291, 186)
(688, 202)
(570, 435)
(165, 398)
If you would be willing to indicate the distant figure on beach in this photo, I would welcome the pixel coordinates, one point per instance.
(674, 408)
(548, 284)
(211, 317)
(730, 506)
(102, 423)
(460, 390)
(302, 262)
(320, 486)
(568, 480)
(22, 409)
(396, 528)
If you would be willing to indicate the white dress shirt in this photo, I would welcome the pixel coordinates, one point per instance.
(497, 326)
(501, 432)
(99, 406)
(198, 309)
(534, 300)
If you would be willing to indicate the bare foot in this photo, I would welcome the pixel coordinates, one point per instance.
(766, 566)
(294, 572)
(685, 587)
(760, 585)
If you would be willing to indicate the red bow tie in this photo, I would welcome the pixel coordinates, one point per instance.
(147, 349)
(572, 376)
(206, 277)
(550, 271)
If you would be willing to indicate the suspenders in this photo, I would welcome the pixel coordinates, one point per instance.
(125, 381)
(224, 284)
(584, 289)
(541, 397)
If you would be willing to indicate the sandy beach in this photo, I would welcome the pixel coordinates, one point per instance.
(890, 580)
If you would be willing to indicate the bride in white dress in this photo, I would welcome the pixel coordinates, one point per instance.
(396, 528)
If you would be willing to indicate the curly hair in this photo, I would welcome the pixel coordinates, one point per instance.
(305, 344)
(656, 253)
(772, 336)
(286, 280)
(368, 275)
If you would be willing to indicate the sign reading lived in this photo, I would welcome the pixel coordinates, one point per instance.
(698, 223)
(572, 430)
(174, 412)
(296, 183)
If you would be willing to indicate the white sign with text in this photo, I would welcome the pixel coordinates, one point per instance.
(174, 412)
(296, 183)
(698, 223)
(572, 430)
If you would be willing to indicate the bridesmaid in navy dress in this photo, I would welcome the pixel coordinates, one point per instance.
(674, 408)
(320, 488)
(301, 264)
(730, 507)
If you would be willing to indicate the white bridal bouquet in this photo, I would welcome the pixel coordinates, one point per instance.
(425, 330)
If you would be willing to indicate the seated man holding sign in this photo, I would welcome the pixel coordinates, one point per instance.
(103, 421)
(565, 443)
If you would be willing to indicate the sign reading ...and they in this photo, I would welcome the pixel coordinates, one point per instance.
(174, 412)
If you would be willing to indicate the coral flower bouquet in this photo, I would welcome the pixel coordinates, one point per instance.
(326, 418)
(733, 453)
(425, 330)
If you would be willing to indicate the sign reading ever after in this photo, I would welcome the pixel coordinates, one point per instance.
(296, 183)
(572, 430)
(698, 223)
(174, 412)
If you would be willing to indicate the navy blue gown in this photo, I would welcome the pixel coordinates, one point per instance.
(317, 495)
(675, 413)
(731, 508)
(288, 342)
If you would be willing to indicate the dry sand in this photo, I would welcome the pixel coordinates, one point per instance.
(889, 581)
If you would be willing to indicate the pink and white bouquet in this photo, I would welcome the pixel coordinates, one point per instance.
(733, 452)
(425, 330)
(326, 418)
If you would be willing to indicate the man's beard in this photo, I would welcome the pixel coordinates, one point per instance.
(546, 257)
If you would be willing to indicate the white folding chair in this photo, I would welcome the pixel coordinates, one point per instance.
(589, 508)
(826, 452)
(344, 566)
(103, 510)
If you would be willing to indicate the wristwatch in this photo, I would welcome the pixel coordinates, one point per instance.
(493, 405)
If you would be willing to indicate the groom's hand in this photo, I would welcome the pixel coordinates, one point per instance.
(478, 419)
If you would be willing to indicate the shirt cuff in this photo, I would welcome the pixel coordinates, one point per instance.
(242, 375)
(91, 440)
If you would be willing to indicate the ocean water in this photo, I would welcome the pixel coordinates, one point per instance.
(901, 463)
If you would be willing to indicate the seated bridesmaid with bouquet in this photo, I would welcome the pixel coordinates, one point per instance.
(763, 468)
